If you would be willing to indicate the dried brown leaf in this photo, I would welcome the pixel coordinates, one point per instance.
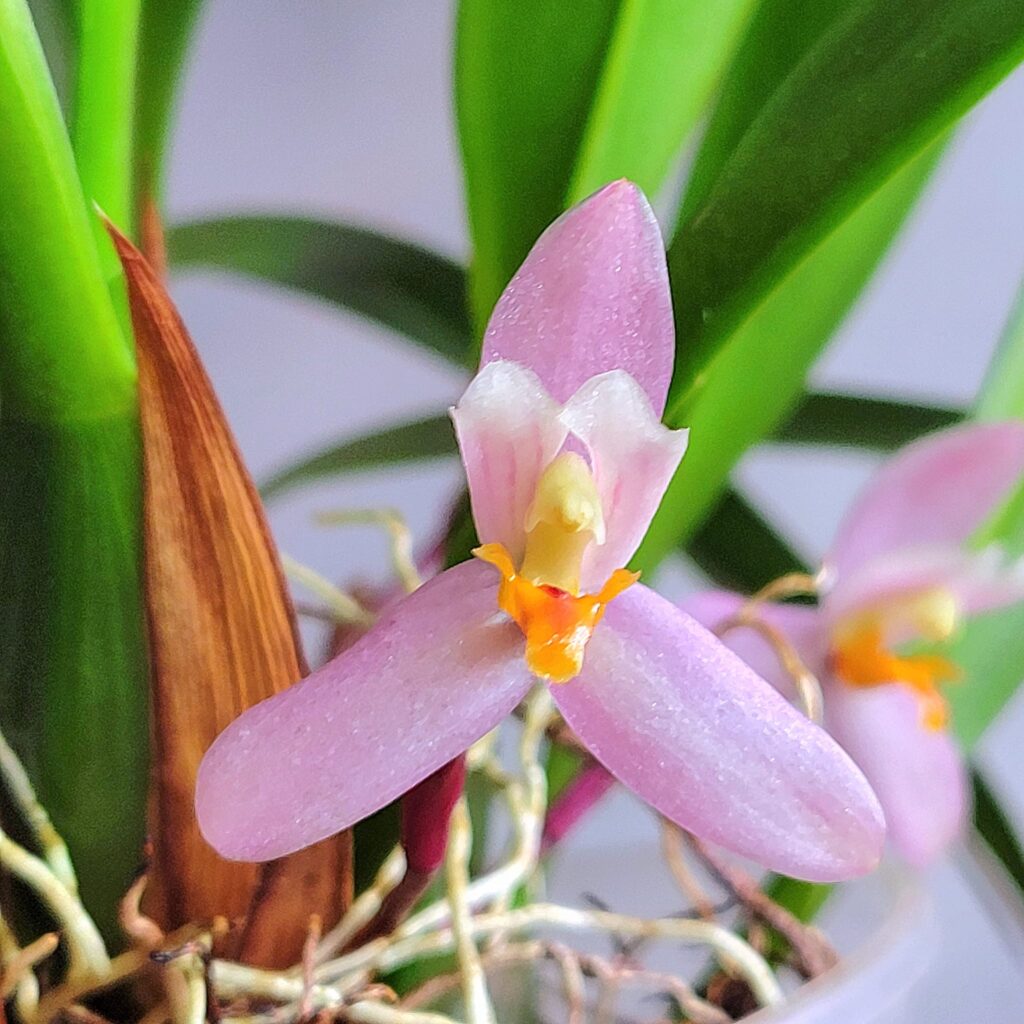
(221, 634)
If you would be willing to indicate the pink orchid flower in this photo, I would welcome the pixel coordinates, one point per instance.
(567, 461)
(900, 570)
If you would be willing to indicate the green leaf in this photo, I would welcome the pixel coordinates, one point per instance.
(752, 385)
(103, 112)
(996, 829)
(990, 648)
(399, 285)
(73, 671)
(72, 667)
(857, 421)
(164, 33)
(1002, 393)
(428, 438)
(737, 548)
(556, 99)
(870, 93)
(525, 78)
(664, 59)
(64, 356)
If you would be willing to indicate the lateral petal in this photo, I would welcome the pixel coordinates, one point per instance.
(438, 670)
(633, 456)
(691, 729)
(509, 429)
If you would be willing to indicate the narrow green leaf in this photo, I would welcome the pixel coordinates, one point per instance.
(555, 100)
(737, 548)
(103, 113)
(858, 421)
(754, 382)
(399, 285)
(525, 78)
(873, 91)
(663, 61)
(164, 33)
(1002, 393)
(996, 829)
(72, 658)
(428, 438)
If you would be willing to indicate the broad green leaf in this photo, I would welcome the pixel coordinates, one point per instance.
(72, 667)
(103, 112)
(555, 100)
(65, 356)
(990, 649)
(525, 78)
(165, 30)
(754, 382)
(664, 59)
(402, 286)
(737, 548)
(858, 421)
(73, 670)
(408, 442)
(873, 91)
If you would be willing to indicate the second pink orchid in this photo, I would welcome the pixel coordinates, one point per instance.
(901, 570)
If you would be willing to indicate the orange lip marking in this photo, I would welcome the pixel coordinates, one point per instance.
(862, 659)
(557, 624)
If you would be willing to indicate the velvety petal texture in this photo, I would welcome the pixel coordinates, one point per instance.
(509, 429)
(917, 773)
(438, 670)
(691, 729)
(591, 296)
(936, 491)
(632, 455)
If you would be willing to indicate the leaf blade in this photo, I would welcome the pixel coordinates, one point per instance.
(402, 286)
(664, 59)
(428, 438)
(739, 403)
(860, 421)
(872, 92)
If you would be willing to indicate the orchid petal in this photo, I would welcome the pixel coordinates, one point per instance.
(917, 773)
(685, 723)
(633, 457)
(979, 580)
(509, 430)
(937, 491)
(591, 296)
(801, 625)
(439, 670)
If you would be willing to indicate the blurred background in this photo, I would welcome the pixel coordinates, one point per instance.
(343, 110)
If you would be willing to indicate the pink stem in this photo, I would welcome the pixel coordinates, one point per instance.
(578, 797)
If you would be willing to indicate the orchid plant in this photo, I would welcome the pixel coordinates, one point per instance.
(157, 706)
(566, 461)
